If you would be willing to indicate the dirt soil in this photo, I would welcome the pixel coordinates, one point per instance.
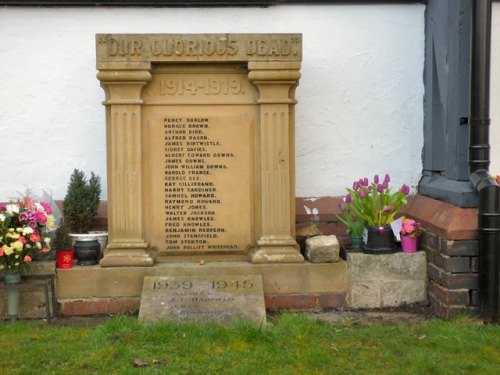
(405, 314)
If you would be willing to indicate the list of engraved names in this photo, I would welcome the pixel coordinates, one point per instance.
(193, 159)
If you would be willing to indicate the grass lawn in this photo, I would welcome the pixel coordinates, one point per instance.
(291, 344)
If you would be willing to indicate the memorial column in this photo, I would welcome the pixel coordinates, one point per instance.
(276, 82)
(123, 87)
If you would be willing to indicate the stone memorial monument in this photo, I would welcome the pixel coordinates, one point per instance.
(200, 146)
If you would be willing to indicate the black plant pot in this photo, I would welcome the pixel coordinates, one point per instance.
(87, 252)
(379, 241)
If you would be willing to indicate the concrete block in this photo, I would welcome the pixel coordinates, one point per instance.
(397, 266)
(322, 249)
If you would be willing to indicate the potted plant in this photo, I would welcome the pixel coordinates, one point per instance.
(376, 205)
(355, 226)
(80, 207)
(409, 235)
(64, 247)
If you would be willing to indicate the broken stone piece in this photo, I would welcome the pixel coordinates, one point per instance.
(322, 249)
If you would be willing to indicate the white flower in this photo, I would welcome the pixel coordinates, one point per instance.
(27, 230)
(12, 208)
(39, 207)
(2, 217)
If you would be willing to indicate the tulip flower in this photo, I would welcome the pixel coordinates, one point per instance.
(376, 179)
(355, 185)
(348, 198)
(388, 208)
(342, 207)
(365, 181)
(362, 193)
(380, 188)
(387, 178)
(405, 189)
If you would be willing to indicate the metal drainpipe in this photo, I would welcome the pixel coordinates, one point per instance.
(479, 160)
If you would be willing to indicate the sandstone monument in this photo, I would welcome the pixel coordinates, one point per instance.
(200, 146)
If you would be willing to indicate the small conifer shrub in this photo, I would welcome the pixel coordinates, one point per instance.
(81, 201)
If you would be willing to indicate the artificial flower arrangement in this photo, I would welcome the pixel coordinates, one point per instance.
(409, 227)
(22, 232)
(373, 203)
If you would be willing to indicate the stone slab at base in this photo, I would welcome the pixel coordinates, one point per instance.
(388, 280)
(301, 286)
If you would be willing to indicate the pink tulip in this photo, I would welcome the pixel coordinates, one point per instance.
(376, 179)
(387, 178)
(365, 181)
(355, 185)
(380, 188)
(405, 189)
(362, 193)
(348, 198)
(388, 208)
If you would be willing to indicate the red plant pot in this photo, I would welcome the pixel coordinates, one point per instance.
(64, 258)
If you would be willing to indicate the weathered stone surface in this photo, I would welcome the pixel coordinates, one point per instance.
(388, 280)
(127, 281)
(399, 266)
(214, 298)
(322, 249)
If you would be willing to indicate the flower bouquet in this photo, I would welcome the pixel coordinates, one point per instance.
(375, 204)
(409, 234)
(22, 232)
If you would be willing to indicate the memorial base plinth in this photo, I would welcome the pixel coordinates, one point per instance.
(127, 258)
(276, 254)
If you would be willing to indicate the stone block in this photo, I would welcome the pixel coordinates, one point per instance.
(403, 292)
(397, 266)
(366, 295)
(322, 249)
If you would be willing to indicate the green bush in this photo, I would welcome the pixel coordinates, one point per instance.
(81, 201)
(62, 240)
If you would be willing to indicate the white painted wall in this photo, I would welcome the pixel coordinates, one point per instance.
(495, 91)
(360, 109)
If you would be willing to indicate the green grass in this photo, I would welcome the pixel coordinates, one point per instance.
(291, 344)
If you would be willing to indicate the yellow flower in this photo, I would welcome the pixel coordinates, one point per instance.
(50, 222)
(18, 245)
(7, 250)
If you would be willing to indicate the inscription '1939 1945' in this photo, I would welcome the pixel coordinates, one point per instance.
(221, 46)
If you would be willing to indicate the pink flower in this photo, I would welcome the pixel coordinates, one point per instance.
(45, 250)
(385, 184)
(348, 198)
(46, 207)
(376, 179)
(381, 230)
(35, 237)
(365, 181)
(27, 258)
(380, 188)
(387, 178)
(22, 239)
(362, 193)
(355, 185)
(28, 202)
(388, 208)
(405, 189)
(1, 252)
(342, 207)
